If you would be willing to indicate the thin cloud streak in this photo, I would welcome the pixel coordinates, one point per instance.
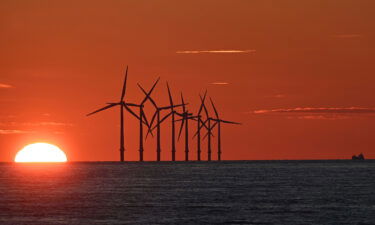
(219, 83)
(276, 96)
(348, 36)
(309, 113)
(333, 110)
(36, 124)
(5, 85)
(50, 124)
(16, 132)
(322, 117)
(231, 51)
(279, 96)
(13, 127)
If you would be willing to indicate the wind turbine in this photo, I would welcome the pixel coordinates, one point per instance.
(141, 117)
(209, 133)
(199, 122)
(186, 116)
(218, 123)
(123, 105)
(172, 113)
(208, 127)
(157, 116)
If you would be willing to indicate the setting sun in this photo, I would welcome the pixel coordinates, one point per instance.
(40, 152)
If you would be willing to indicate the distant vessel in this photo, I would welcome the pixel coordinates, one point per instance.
(358, 157)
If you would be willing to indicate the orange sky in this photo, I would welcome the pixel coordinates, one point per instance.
(301, 81)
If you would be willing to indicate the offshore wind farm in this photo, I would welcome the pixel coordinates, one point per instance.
(207, 124)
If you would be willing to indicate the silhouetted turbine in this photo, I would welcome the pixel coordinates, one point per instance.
(122, 105)
(209, 131)
(186, 116)
(199, 122)
(141, 117)
(172, 113)
(157, 116)
(218, 123)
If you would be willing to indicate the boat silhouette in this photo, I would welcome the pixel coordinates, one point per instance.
(358, 157)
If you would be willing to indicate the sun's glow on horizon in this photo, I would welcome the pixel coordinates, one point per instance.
(40, 152)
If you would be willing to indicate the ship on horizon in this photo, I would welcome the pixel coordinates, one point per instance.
(358, 157)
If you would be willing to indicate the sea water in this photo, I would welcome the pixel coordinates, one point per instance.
(228, 192)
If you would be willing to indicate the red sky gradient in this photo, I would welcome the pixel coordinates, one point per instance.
(301, 79)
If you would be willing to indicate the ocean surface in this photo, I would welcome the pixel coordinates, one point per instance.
(228, 192)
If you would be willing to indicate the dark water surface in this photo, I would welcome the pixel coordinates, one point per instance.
(232, 192)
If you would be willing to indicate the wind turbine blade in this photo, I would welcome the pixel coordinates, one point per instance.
(190, 118)
(127, 103)
(153, 128)
(145, 121)
(165, 117)
(149, 132)
(131, 112)
(225, 121)
(165, 107)
(213, 106)
(145, 118)
(183, 103)
(205, 136)
(124, 87)
(153, 118)
(148, 95)
(170, 96)
(205, 94)
(202, 102)
(175, 106)
(143, 90)
(212, 127)
(204, 106)
(153, 86)
(152, 122)
(162, 120)
(209, 131)
(203, 124)
(132, 104)
(182, 125)
(101, 109)
(152, 101)
(205, 110)
(179, 114)
(169, 107)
